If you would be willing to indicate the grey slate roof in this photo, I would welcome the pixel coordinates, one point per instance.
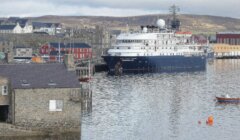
(7, 27)
(42, 24)
(30, 76)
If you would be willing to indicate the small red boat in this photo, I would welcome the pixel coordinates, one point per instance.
(228, 100)
(86, 79)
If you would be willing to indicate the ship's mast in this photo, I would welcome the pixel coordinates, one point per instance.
(175, 23)
(173, 10)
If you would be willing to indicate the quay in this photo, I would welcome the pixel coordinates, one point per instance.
(87, 67)
(226, 51)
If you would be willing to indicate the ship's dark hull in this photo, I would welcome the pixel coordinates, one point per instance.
(145, 64)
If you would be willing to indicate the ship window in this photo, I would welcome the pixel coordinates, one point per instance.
(117, 47)
(129, 48)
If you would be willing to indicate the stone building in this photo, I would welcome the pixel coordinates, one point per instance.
(4, 99)
(42, 96)
(6, 48)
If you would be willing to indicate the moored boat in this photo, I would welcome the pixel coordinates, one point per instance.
(228, 100)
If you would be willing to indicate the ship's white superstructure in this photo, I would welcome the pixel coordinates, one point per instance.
(155, 41)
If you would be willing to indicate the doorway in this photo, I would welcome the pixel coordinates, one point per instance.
(3, 113)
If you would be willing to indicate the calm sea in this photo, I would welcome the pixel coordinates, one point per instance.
(165, 106)
(162, 106)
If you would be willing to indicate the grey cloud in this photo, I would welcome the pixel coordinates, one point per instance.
(90, 7)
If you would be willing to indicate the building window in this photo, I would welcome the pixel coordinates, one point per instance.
(55, 105)
(4, 90)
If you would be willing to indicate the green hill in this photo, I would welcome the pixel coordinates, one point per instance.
(194, 23)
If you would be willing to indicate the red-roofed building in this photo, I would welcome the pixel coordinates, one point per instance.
(50, 52)
(231, 38)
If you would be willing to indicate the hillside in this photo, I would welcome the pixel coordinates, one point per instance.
(195, 23)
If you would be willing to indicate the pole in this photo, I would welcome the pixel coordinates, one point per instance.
(89, 69)
(59, 51)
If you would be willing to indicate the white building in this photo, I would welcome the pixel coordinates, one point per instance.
(15, 29)
(49, 28)
(16, 26)
(28, 28)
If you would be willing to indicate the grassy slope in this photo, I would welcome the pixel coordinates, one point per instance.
(195, 23)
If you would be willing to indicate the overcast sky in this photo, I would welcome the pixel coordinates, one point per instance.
(26, 8)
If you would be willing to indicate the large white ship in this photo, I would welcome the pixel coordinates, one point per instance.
(156, 49)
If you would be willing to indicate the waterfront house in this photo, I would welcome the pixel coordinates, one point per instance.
(231, 38)
(55, 56)
(49, 28)
(12, 28)
(16, 25)
(228, 45)
(41, 95)
(79, 51)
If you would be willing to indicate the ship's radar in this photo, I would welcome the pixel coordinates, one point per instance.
(161, 23)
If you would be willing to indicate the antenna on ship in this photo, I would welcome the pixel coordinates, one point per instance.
(175, 23)
(127, 28)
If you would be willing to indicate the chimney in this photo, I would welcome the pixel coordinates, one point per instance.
(69, 62)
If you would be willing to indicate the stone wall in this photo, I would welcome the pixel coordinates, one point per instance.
(32, 109)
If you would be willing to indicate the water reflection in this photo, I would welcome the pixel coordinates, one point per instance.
(86, 95)
(164, 106)
(175, 108)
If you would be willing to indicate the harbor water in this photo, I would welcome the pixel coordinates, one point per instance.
(165, 106)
